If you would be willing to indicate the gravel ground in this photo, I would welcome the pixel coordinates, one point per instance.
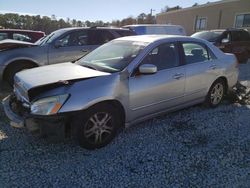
(195, 147)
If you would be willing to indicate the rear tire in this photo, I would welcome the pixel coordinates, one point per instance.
(97, 126)
(216, 93)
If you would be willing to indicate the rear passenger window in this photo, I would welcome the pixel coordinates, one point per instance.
(240, 36)
(163, 57)
(99, 37)
(124, 33)
(236, 36)
(3, 36)
(195, 53)
(21, 37)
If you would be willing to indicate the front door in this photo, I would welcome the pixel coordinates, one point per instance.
(152, 93)
(72, 47)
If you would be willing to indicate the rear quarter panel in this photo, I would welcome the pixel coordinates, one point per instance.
(228, 65)
(37, 54)
(231, 72)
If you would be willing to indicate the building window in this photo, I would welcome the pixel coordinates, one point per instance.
(242, 20)
(200, 23)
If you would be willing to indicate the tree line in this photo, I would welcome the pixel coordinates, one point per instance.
(37, 23)
(49, 24)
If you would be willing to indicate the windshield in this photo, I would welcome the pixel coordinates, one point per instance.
(49, 38)
(210, 36)
(113, 56)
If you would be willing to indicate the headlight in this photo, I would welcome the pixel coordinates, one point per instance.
(48, 106)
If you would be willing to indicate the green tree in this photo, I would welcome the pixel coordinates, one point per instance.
(141, 18)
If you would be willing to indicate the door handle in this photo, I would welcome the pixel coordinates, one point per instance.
(178, 76)
(213, 67)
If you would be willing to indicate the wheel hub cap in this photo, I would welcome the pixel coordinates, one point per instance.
(217, 93)
(98, 127)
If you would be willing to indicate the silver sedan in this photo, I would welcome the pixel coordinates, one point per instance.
(123, 82)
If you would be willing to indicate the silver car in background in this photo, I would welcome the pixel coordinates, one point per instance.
(63, 45)
(123, 82)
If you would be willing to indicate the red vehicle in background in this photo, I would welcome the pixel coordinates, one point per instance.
(22, 35)
(236, 41)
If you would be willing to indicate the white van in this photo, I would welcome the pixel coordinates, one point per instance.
(158, 29)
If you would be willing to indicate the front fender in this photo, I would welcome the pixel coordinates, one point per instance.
(86, 93)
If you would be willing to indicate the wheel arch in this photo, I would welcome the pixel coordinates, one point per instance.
(116, 104)
(208, 96)
(15, 63)
(224, 79)
(71, 130)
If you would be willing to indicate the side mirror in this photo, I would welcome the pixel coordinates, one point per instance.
(147, 69)
(225, 41)
(58, 44)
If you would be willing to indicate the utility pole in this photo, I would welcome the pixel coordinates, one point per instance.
(151, 11)
(151, 15)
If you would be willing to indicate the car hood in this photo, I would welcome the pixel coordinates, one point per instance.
(58, 73)
(8, 44)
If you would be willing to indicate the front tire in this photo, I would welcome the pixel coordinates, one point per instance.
(97, 126)
(216, 93)
(9, 78)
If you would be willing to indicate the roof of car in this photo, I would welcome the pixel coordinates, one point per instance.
(217, 30)
(152, 25)
(222, 30)
(79, 28)
(21, 30)
(150, 38)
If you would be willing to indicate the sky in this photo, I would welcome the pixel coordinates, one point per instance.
(92, 10)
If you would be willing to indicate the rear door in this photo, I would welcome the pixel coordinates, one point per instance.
(151, 93)
(73, 46)
(98, 37)
(201, 69)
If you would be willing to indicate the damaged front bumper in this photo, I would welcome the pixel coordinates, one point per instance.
(44, 126)
(15, 120)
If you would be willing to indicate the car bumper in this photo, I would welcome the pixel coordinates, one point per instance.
(52, 127)
(15, 120)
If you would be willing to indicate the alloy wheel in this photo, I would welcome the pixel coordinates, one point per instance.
(217, 93)
(99, 127)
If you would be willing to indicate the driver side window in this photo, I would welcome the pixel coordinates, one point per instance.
(164, 56)
(78, 38)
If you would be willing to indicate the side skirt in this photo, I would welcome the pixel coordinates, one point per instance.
(185, 105)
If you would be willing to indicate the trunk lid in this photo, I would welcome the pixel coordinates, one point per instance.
(9, 44)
